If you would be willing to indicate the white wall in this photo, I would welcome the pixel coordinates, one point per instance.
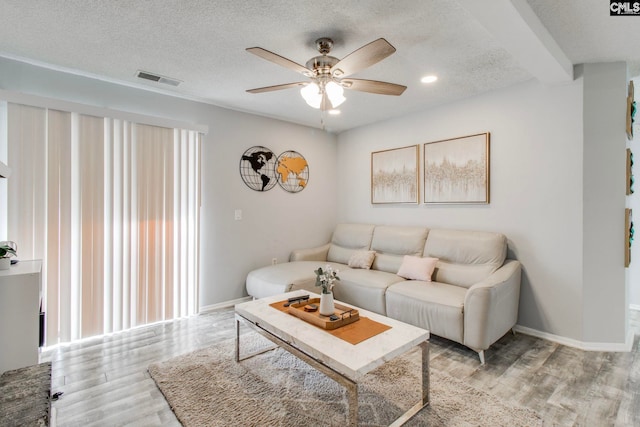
(604, 174)
(274, 222)
(538, 175)
(536, 189)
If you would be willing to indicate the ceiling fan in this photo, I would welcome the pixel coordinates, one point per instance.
(330, 76)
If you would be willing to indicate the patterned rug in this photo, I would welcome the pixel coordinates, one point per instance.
(25, 396)
(207, 387)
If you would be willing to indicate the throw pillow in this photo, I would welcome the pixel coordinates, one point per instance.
(362, 259)
(417, 268)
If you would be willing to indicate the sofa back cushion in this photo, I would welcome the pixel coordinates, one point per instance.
(348, 238)
(392, 243)
(466, 257)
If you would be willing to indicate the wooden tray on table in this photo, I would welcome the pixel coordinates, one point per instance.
(346, 315)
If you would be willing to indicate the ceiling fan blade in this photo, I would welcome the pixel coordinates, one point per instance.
(373, 86)
(280, 60)
(276, 87)
(362, 58)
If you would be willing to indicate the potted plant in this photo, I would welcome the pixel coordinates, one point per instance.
(7, 250)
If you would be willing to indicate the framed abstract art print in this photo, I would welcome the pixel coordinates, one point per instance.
(457, 170)
(394, 175)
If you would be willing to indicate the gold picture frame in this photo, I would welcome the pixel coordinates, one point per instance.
(456, 170)
(394, 175)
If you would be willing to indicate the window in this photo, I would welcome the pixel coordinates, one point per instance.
(112, 208)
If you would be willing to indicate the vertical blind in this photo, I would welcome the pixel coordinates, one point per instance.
(112, 209)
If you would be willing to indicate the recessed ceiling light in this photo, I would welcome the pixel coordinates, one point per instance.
(334, 112)
(429, 79)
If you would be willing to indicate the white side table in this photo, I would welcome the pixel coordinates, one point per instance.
(20, 291)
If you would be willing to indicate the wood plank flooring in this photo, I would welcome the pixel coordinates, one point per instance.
(105, 380)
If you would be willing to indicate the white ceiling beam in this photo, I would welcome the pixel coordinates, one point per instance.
(518, 29)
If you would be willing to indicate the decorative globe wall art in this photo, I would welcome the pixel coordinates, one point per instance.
(292, 171)
(257, 168)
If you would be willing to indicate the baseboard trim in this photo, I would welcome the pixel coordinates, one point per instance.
(587, 346)
(225, 304)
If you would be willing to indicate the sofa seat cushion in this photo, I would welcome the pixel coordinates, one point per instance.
(365, 288)
(437, 307)
(281, 278)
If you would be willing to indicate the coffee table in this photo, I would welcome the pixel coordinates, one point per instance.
(345, 363)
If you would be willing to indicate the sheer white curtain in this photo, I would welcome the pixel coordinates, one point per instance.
(112, 208)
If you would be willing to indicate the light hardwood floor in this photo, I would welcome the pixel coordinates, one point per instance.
(105, 380)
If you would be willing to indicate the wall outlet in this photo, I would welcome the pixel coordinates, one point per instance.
(237, 215)
(274, 261)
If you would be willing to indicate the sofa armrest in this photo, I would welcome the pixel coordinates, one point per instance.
(310, 254)
(491, 306)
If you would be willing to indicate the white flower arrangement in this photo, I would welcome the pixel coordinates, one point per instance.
(326, 278)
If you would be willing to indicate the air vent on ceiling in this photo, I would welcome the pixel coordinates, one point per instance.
(157, 78)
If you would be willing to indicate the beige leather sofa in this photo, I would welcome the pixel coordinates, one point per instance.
(472, 297)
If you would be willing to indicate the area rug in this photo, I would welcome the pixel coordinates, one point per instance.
(207, 387)
(25, 396)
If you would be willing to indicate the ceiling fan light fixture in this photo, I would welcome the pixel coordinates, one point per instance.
(325, 91)
(335, 93)
(312, 95)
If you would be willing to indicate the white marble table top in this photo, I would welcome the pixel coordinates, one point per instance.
(353, 361)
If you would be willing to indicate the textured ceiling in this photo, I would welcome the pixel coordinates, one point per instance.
(202, 43)
(586, 32)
